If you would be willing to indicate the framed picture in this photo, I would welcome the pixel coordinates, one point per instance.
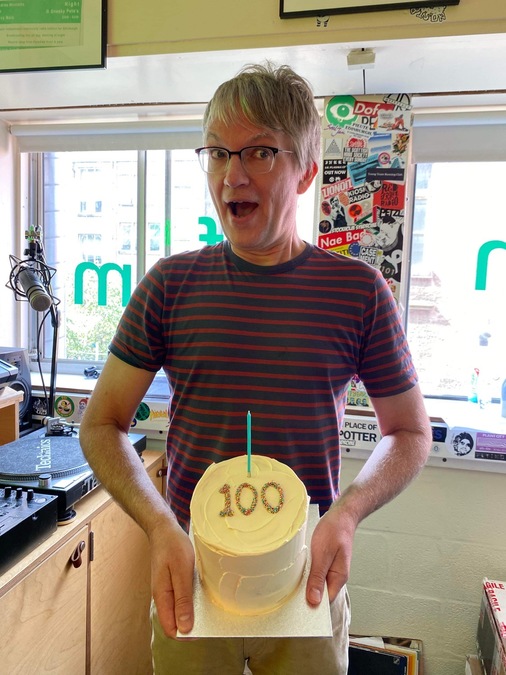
(289, 9)
(52, 34)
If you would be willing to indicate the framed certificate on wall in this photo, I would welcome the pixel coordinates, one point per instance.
(52, 34)
(298, 8)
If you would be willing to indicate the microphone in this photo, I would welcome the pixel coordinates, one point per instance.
(31, 279)
(36, 294)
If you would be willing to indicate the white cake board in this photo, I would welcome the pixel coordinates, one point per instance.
(296, 618)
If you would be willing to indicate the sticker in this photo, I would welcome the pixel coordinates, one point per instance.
(340, 111)
(354, 250)
(355, 210)
(326, 208)
(462, 444)
(334, 170)
(384, 174)
(361, 171)
(432, 14)
(64, 406)
(370, 254)
(357, 194)
(392, 196)
(143, 412)
(491, 446)
(340, 239)
(371, 108)
(81, 407)
(400, 144)
(40, 406)
(334, 147)
(399, 101)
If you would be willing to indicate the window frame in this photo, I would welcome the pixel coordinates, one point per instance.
(35, 201)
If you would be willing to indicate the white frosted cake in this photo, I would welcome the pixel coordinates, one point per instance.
(249, 533)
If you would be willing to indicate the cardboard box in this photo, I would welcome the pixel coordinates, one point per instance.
(491, 649)
(496, 593)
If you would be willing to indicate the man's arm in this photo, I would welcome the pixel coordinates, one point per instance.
(104, 439)
(396, 460)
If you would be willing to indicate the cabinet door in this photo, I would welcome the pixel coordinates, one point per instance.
(120, 595)
(44, 616)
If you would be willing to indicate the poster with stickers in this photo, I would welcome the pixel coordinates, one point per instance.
(365, 143)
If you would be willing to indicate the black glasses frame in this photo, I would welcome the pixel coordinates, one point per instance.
(239, 153)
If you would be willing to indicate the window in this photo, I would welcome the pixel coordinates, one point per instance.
(107, 217)
(456, 318)
(95, 206)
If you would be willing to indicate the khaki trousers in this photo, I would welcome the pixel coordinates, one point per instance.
(263, 656)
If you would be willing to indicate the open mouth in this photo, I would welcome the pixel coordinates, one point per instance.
(242, 209)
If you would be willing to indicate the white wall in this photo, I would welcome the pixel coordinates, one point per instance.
(419, 562)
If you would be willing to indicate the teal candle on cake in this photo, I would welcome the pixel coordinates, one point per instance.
(248, 440)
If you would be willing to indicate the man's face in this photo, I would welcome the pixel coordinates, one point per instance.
(257, 212)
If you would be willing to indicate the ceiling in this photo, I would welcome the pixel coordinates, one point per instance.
(147, 86)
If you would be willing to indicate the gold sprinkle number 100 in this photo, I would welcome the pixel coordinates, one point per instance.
(228, 511)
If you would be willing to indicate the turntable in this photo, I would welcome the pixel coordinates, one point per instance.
(53, 464)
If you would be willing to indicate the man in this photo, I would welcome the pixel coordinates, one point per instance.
(267, 323)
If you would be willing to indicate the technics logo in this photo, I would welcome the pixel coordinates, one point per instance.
(44, 456)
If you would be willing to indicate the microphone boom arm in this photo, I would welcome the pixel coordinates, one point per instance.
(31, 280)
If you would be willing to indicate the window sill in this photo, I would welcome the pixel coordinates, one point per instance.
(67, 383)
(359, 434)
(452, 413)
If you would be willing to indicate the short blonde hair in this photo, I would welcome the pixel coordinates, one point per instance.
(274, 98)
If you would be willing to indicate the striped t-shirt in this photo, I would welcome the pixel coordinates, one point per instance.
(281, 342)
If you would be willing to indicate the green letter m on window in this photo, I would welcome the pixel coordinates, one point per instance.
(482, 263)
(102, 272)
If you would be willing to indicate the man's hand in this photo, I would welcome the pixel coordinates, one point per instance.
(331, 547)
(172, 565)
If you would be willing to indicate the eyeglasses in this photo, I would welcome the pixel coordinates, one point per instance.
(255, 159)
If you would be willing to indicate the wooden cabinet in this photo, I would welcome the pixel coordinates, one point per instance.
(44, 616)
(90, 617)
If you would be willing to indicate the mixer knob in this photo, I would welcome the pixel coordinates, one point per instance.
(29, 495)
(19, 493)
(7, 492)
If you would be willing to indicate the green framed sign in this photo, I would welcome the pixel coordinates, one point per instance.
(52, 34)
